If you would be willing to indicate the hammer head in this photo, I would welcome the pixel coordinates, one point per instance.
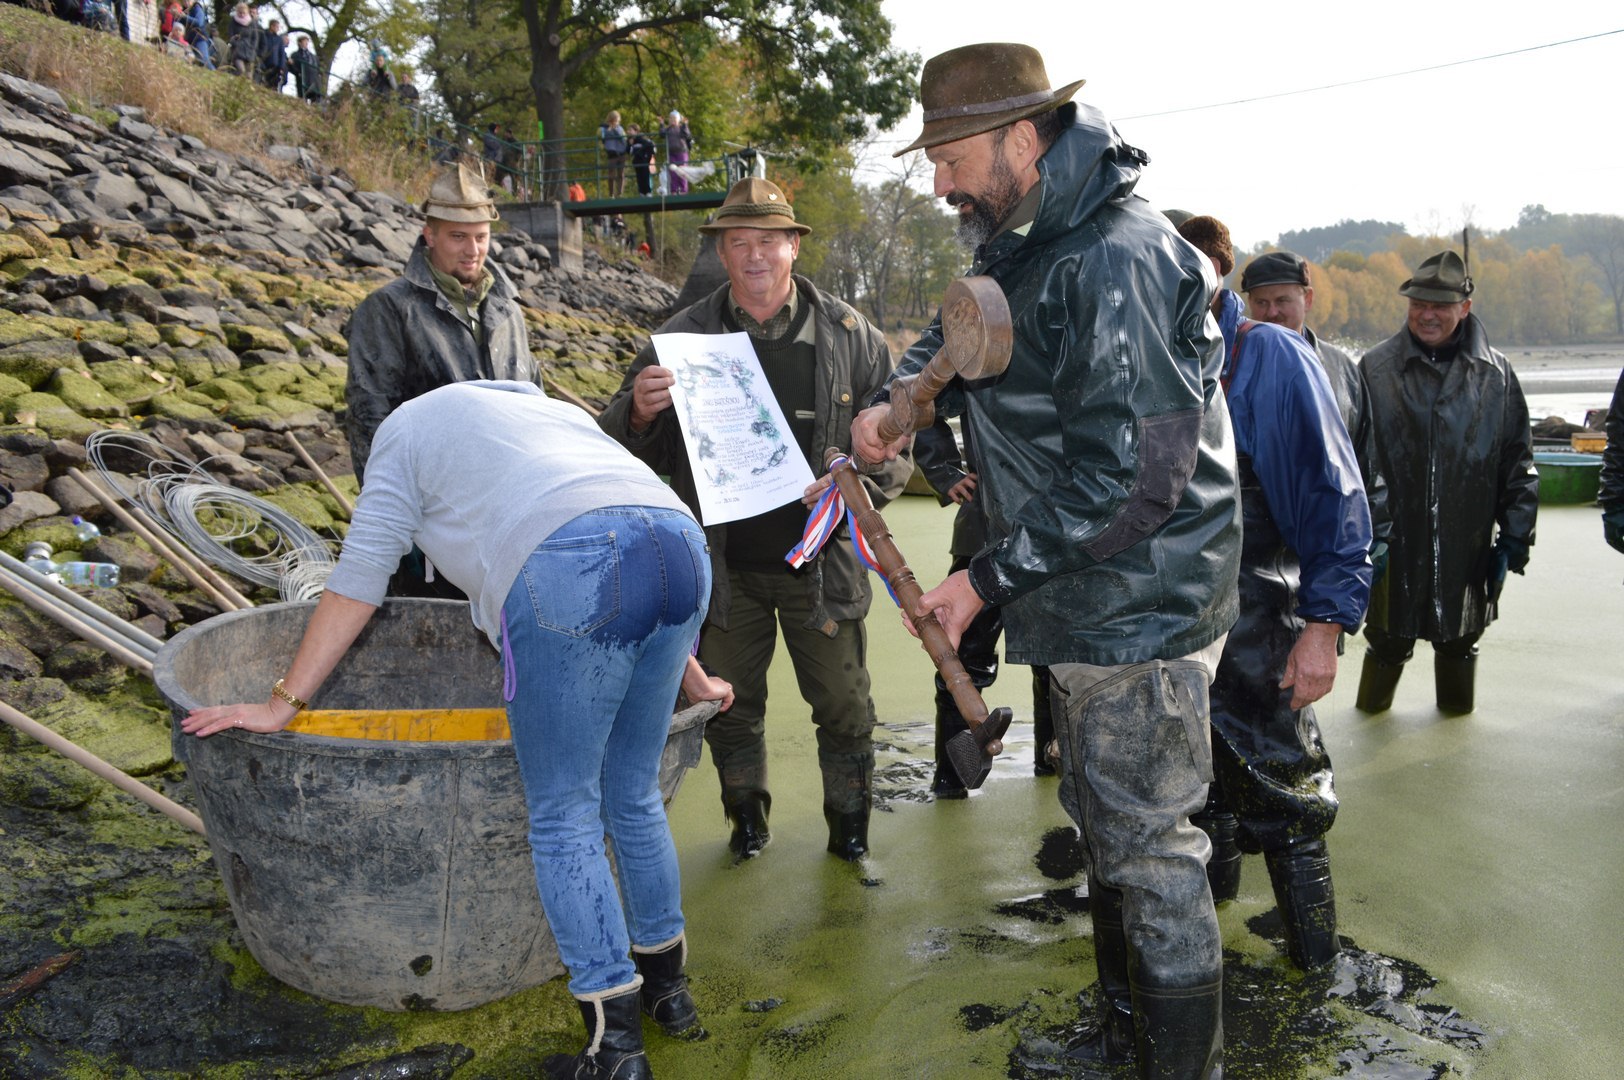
(977, 330)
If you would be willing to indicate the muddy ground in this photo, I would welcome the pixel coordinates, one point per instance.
(1476, 862)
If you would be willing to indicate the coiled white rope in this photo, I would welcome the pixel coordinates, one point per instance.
(215, 520)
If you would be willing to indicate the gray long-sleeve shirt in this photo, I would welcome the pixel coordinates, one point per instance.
(476, 474)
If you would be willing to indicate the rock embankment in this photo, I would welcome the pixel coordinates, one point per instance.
(150, 282)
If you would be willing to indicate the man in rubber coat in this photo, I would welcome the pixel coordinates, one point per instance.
(954, 478)
(1305, 579)
(1456, 449)
(1611, 495)
(1108, 471)
(820, 358)
(450, 317)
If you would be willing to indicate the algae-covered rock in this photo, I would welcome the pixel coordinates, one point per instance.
(35, 777)
(177, 405)
(244, 337)
(50, 413)
(314, 392)
(181, 337)
(269, 378)
(126, 735)
(304, 504)
(13, 246)
(129, 381)
(16, 661)
(87, 667)
(10, 387)
(35, 362)
(80, 392)
(228, 389)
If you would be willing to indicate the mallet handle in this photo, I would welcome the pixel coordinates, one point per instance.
(897, 572)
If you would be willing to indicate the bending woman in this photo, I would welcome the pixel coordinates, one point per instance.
(592, 580)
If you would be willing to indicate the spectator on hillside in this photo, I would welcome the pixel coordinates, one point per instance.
(678, 141)
(199, 34)
(244, 49)
(612, 137)
(306, 66)
(170, 14)
(642, 152)
(380, 80)
(492, 144)
(273, 58)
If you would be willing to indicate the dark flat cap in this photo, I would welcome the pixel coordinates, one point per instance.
(1275, 268)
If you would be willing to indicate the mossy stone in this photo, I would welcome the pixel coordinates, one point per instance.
(42, 780)
(13, 246)
(243, 337)
(269, 378)
(127, 380)
(222, 388)
(176, 406)
(37, 362)
(313, 392)
(126, 736)
(85, 396)
(310, 510)
(182, 337)
(52, 415)
(10, 387)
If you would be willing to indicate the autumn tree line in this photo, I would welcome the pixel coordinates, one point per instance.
(1551, 279)
(808, 81)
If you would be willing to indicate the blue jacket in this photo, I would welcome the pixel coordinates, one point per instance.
(1288, 427)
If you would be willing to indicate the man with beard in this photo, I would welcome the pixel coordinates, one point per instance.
(450, 317)
(1457, 452)
(1305, 578)
(1108, 477)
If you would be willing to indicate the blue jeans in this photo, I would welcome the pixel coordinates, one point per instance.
(598, 627)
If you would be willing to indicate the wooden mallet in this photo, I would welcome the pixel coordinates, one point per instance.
(977, 339)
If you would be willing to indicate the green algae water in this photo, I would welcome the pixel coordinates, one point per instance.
(1476, 863)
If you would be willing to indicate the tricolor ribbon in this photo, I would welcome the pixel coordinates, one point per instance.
(821, 524)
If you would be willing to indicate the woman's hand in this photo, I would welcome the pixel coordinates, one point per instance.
(699, 685)
(264, 717)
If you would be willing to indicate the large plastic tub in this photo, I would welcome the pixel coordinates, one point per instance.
(391, 869)
(1566, 477)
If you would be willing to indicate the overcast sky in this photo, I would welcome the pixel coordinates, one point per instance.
(1426, 150)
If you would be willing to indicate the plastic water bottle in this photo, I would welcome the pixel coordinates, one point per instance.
(100, 574)
(85, 530)
(37, 557)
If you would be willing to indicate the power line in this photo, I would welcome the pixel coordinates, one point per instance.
(897, 140)
(1372, 78)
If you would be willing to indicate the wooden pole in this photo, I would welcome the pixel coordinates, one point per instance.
(118, 778)
(162, 548)
(122, 651)
(310, 463)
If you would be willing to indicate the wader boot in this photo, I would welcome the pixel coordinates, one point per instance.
(1112, 1043)
(1377, 684)
(665, 995)
(614, 1040)
(1301, 875)
(1042, 724)
(1178, 1031)
(847, 795)
(746, 803)
(946, 783)
(1455, 678)
(1224, 867)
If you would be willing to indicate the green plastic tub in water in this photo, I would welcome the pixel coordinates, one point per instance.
(1566, 477)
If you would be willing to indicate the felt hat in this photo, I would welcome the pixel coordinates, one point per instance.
(459, 194)
(1211, 238)
(981, 88)
(1275, 268)
(1441, 279)
(755, 204)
